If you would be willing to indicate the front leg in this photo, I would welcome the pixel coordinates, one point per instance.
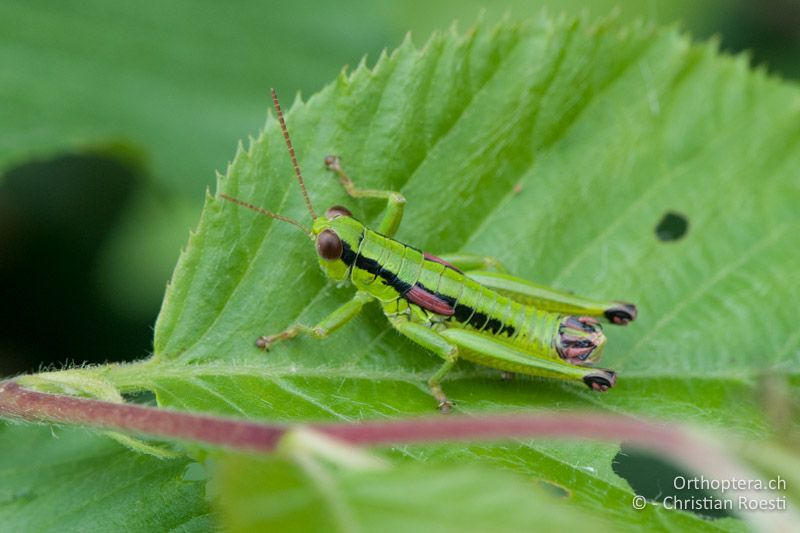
(395, 202)
(338, 318)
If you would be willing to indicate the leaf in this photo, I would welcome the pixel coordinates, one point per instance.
(85, 75)
(166, 91)
(605, 131)
(556, 146)
(278, 495)
(83, 482)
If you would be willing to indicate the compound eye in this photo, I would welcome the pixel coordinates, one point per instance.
(337, 211)
(329, 245)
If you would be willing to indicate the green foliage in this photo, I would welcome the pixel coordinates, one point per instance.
(556, 146)
(604, 130)
(168, 89)
(276, 494)
(176, 83)
(70, 480)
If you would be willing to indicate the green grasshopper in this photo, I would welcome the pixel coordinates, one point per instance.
(458, 306)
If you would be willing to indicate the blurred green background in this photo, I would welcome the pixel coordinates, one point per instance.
(115, 116)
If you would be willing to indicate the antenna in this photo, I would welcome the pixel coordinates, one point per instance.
(265, 212)
(291, 153)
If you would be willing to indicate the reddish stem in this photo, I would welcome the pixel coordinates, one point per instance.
(672, 441)
(685, 447)
(18, 402)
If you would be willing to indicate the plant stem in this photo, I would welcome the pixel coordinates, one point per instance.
(685, 446)
(17, 402)
(672, 440)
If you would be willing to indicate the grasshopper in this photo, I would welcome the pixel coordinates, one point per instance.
(458, 306)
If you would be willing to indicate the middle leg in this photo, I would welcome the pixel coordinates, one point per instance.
(427, 338)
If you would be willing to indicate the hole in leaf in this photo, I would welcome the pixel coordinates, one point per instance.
(672, 226)
(195, 472)
(140, 398)
(23, 495)
(553, 489)
(655, 479)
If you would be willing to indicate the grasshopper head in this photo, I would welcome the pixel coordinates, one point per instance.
(580, 340)
(337, 236)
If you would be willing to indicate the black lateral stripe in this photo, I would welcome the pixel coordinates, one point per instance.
(348, 255)
(375, 268)
(478, 320)
(495, 325)
(462, 313)
(467, 315)
(389, 276)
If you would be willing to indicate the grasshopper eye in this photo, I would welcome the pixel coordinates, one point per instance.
(329, 245)
(337, 211)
